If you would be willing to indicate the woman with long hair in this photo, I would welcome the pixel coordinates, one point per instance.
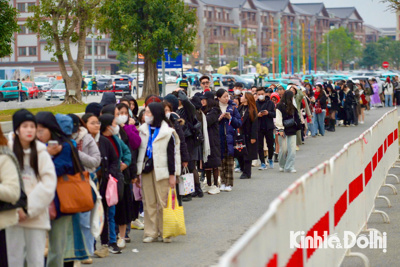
(334, 107)
(10, 191)
(363, 102)
(388, 92)
(159, 163)
(229, 121)
(27, 240)
(65, 228)
(248, 112)
(287, 124)
(319, 110)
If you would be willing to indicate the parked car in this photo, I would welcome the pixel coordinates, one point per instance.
(43, 82)
(9, 90)
(33, 90)
(236, 78)
(283, 82)
(104, 84)
(121, 84)
(57, 92)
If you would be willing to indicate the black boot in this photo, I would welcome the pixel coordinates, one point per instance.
(187, 198)
(276, 157)
(333, 121)
(331, 125)
(197, 191)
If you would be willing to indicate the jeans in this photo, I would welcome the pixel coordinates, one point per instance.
(319, 123)
(84, 219)
(287, 152)
(310, 128)
(388, 101)
(111, 225)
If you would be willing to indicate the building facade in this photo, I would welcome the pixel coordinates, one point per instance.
(29, 49)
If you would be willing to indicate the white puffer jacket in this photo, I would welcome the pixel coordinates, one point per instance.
(40, 190)
(160, 145)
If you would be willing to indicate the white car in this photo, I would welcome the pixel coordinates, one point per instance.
(57, 92)
(43, 82)
(168, 78)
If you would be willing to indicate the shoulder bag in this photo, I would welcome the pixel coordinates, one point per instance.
(318, 109)
(74, 191)
(240, 148)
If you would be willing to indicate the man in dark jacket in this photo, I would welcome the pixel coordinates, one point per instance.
(266, 126)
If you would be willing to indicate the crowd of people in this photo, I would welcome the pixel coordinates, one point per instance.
(211, 135)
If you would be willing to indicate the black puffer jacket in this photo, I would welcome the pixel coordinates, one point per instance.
(109, 164)
(214, 159)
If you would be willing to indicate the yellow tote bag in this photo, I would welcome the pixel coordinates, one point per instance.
(173, 218)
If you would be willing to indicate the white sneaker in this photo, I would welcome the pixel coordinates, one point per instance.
(228, 188)
(280, 169)
(206, 188)
(361, 122)
(136, 224)
(222, 187)
(237, 170)
(141, 214)
(167, 240)
(149, 239)
(121, 243)
(214, 190)
(293, 171)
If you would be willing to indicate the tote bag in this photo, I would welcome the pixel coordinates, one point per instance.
(186, 183)
(173, 217)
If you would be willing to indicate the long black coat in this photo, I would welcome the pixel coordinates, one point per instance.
(250, 131)
(214, 159)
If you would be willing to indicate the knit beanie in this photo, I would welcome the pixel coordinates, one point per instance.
(21, 116)
(94, 108)
(173, 101)
(105, 120)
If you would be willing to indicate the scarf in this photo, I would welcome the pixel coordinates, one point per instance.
(149, 152)
(223, 107)
(206, 143)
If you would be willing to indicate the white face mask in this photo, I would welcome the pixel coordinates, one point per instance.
(74, 135)
(114, 130)
(119, 120)
(237, 92)
(168, 115)
(261, 97)
(149, 120)
(123, 118)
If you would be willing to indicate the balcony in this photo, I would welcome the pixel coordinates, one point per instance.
(249, 24)
(217, 20)
(222, 39)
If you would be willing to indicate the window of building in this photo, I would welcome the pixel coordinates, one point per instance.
(227, 16)
(22, 51)
(210, 14)
(22, 29)
(32, 51)
(30, 5)
(95, 50)
(21, 7)
(215, 32)
(89, 50)
(103, 50)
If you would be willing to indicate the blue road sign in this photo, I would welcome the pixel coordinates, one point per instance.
(170, 63)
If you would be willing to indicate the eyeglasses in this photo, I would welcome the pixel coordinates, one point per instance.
(204, 83)
(95, 123)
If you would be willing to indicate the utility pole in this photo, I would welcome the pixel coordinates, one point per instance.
(327, 65)
(92, 51)
(240, 42)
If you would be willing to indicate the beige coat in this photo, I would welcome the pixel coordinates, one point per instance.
(9, 190)
(160, 144)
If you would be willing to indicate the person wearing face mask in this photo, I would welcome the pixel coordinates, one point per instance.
(129, 208)
(110, 129)
(26, 241)
(170, 104)
(229, 121)
(266, 126)
(109, 165)
(158, 164)
(237, 90)
(89, 155)
(64, 228)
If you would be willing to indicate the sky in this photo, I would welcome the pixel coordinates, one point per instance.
(373, 12)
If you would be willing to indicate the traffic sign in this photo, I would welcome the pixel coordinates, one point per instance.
(385, 64)
(170, 63)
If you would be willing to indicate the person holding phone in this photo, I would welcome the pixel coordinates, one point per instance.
(26, 241)
(266, 126)
(229, 121)
(287, 123)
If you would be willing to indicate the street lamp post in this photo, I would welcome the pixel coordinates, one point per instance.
(327, 60)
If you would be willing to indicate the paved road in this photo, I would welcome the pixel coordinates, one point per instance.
(214, 223)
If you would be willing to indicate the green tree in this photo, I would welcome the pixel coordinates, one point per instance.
(125, 59)
(343, 48)
(64, 24)
(8, 25)
(395, 53)
(371, 55)
(149, 26)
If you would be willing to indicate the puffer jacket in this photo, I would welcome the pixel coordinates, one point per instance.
(89, 153)
(9, 186)
(227, 129)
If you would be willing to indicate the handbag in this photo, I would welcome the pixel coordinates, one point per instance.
(97, 214)
(137, 192)
(112, 191)
(318, 109)
(74, 191)
(186, 183)
(173, 217)
(289, 122)
(148, 165)
(240, 148)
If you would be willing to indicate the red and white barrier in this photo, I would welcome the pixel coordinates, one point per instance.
(336, 196)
